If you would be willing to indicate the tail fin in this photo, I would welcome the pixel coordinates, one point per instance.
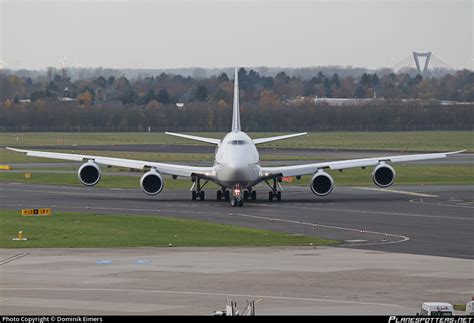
(236, 108)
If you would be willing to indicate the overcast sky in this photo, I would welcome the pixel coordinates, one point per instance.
(205, 33)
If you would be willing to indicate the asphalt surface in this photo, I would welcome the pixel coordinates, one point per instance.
(177, 281)
(425, 220)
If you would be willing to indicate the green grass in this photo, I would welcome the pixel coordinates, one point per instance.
(460, 307)
(396, 141)
(406, 174)
(74, 230)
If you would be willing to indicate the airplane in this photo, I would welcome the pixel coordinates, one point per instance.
(236, 168)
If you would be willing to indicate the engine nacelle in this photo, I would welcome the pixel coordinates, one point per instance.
(89, 173)
(383, 175)
(322, 183)
(152, 183)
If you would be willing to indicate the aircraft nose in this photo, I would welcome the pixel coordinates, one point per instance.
(237, 172)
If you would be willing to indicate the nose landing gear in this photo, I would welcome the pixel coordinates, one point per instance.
(236, 199)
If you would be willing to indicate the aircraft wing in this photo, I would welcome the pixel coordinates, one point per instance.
(297, 170)
(170, 169)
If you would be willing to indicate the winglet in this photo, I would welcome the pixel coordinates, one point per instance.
(236, 108)
(17, 150)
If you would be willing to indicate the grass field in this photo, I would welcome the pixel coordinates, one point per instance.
(406, 174)
(460, 307)
(396, 141)
(68, 230)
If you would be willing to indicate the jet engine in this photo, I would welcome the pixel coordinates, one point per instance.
(152, 182)
(89, 173)
(383, 175)
(322, 183)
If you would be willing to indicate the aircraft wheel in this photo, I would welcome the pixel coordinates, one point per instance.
(219, 195)
(279, 196)
(193, 195)
(254, 195)
(241, 203)
(202, 195)
(246, 195)
(227, 195)
(233, 202)
(270, 196)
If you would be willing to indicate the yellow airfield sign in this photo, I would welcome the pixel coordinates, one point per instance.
(36, 212)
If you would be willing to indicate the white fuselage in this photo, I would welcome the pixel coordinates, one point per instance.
(237, 161)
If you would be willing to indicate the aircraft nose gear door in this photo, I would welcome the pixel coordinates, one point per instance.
(237, 199)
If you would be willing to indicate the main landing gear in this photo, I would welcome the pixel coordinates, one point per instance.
(275, 192)
(198, 193)
(250, 194)
(223, 194)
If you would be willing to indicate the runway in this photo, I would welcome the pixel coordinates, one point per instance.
(424, 220)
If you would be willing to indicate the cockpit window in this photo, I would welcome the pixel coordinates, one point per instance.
(237, 142)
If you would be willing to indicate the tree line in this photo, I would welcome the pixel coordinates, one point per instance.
(55, 102)
(204, 116)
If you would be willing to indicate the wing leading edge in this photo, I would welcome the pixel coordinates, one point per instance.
(305, 169)
(169, 169)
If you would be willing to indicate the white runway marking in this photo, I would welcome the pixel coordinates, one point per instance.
(198, 294)
(370, 212)
(63, 193)
(384, 234)
(115, 195)
(420, 201)
(395, 191)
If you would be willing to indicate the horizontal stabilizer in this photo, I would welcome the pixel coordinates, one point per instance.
(203, 139)
(269, 139)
